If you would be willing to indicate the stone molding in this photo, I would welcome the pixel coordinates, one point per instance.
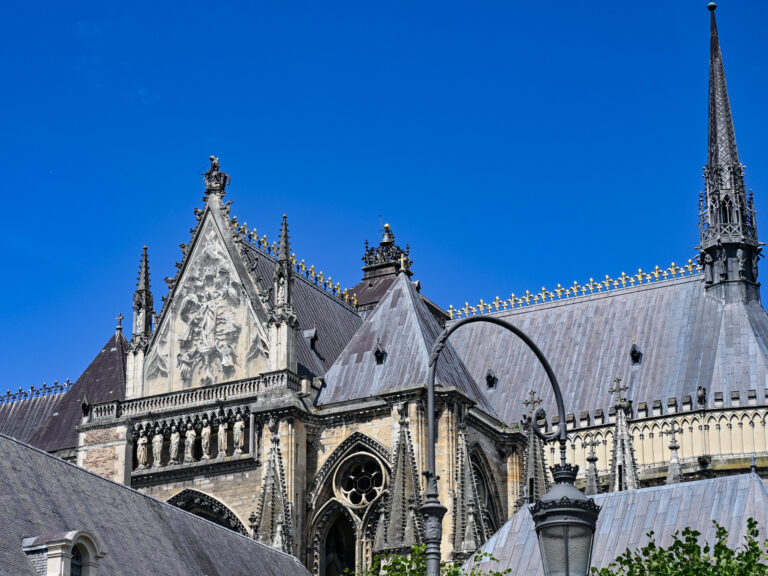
(180, 472)
(188, 499)
(184, 400)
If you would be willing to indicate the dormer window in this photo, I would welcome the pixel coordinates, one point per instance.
(76, 563)
(380, 354)
(490, 379)
(74, 553)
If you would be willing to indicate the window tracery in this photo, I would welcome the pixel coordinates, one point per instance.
(359, 480)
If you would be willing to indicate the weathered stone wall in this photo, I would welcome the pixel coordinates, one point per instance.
(107, 450)
(237, 491)
(723, 439)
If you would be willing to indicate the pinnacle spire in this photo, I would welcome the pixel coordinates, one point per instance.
(593, 477)
(399, 529)
(623, 462)
(284, 251)
(283, 323)
(143, 304)
(535, 478)
(143, 282)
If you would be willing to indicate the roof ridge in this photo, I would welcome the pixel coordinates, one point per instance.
(304, 272)
(657, 276)
(147, 496)
(33, 392)
(423, 317)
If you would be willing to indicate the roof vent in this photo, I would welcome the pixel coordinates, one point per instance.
(491, 379)
(380, 354)
(310, 336)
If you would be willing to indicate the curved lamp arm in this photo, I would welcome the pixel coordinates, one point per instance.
(560, 434)
(432, 509)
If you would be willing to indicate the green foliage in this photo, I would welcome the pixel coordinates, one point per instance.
(687, 557)
(415, 564)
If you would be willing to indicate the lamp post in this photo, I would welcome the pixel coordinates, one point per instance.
(565, 519)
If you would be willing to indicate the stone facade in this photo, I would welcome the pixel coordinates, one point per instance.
(223, 417)
(269, 400)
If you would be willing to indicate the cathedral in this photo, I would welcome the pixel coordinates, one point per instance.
(261, 396)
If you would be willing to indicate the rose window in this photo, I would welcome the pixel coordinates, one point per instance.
(360, 480)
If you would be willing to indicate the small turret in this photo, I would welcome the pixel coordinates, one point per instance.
(381, 266)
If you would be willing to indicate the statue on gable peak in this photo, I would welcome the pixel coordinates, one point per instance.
(215, 180)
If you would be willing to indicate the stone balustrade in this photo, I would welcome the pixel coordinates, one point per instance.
(185, 400)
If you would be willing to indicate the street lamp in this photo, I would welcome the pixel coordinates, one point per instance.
(565, 519)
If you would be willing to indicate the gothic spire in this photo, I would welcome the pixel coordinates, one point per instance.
(272, 520)
(722, 137)
(535, 478)
(399, 529)
(593, 477)
(283, 322)
(143, 304)
(284, 252)
(283, 277)
(729, 245)
(469, 530)
(143, 280)
(623, 463)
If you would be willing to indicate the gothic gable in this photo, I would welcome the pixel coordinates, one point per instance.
(210, 332)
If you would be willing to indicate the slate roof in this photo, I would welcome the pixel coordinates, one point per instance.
(370, 291)
(48, 422)
(406, 329)
(626, 517)
(688, 339)
(41, 495)
(22, 418)
(334, 321)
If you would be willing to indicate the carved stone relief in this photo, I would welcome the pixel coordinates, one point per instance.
(210, 333)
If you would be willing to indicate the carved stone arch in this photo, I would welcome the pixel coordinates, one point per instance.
(209, 508)
(320, 526)
(357, 441)
(492, 511)
(370, 517)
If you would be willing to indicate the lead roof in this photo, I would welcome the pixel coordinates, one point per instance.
(626, 518)
(406, 329)
(687, 338)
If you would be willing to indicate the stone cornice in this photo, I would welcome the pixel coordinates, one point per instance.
(180, 472)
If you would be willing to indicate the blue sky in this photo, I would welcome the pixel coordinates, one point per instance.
(512, 144)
